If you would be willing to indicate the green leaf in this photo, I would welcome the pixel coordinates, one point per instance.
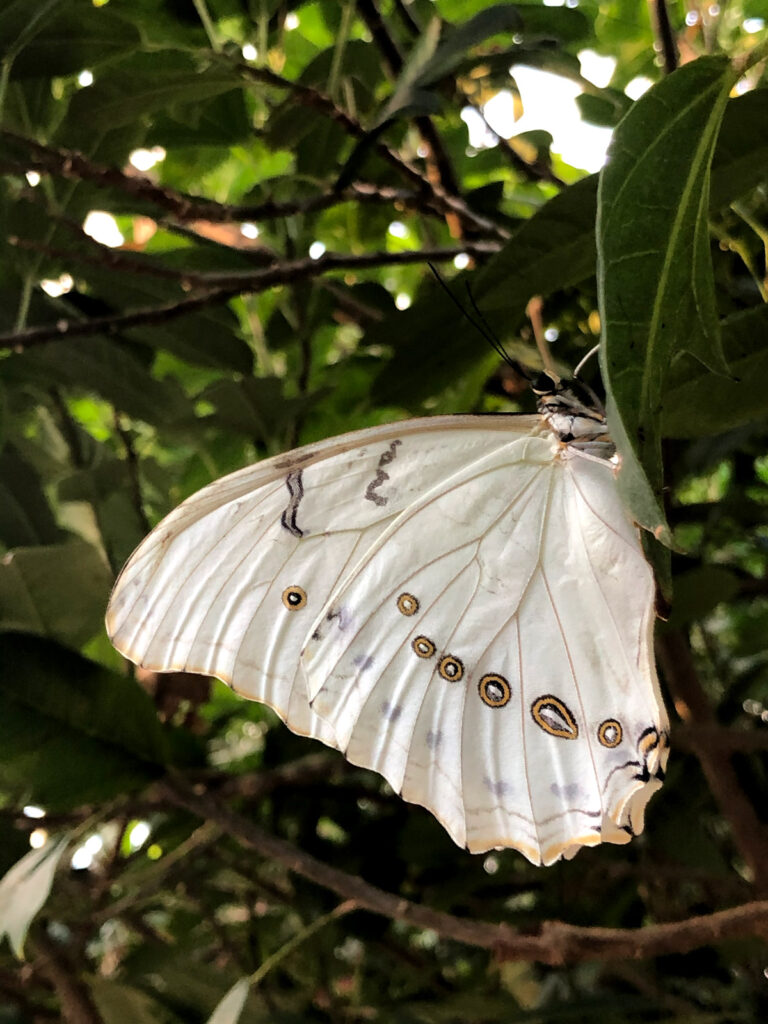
(24, 890)
(106, 367)
(119, 1003)
(57, 590)
(696, 405)
(143, 83)
(231, 1006)
(741, 156)
(72, 41)
(25, 515)
(655, 274)
(72, 731)
(698, 592)
(19, 23)
(530, 23)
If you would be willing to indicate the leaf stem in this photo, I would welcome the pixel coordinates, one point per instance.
(277, 957)
(207, 23)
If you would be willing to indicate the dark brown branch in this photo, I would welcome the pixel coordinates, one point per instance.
(51, 963)
(691, 703)
(665, 37)
(230, 285)
(72, 165)
(557, 942)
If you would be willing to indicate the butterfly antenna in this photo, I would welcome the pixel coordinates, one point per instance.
(596, 401)
(518, 367)
(592, 352)
(480, 324)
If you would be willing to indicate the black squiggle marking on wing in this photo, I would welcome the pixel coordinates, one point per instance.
(296, 490)
(381, 475)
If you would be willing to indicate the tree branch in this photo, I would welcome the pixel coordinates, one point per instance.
(230, 285)
(71, 165)
(557, 942)
(691, 703)
(51, 963)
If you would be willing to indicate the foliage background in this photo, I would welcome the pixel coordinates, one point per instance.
(195, 347)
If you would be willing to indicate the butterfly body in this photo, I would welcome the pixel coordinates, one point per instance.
(460, 603)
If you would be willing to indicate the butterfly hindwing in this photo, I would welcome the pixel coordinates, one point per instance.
(479, 661)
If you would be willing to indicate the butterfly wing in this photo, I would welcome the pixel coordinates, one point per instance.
(491, 656)
(231, 581)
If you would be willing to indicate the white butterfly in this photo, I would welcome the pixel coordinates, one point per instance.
(459, 602)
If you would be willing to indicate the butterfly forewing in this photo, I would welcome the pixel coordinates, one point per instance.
(229, 584)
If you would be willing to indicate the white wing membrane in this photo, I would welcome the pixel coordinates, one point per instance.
(205, 591)
(491, 656)
(458, 603)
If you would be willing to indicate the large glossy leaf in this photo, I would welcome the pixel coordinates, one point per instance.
(552, 250)
(655, 273)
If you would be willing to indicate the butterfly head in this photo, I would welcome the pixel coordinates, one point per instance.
(572, 411)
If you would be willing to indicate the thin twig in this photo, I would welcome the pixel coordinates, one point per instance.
(557, 942)
(664, 35)
(230, 285)
(132, 465)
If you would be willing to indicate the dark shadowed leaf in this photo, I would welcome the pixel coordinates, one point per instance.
(25, 515)
(696, 404)
(78, 37)
(57, 590)
(70, 729)
(105, 367)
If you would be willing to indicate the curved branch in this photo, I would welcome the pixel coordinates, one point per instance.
(556, 943)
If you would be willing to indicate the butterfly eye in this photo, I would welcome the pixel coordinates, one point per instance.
(450, 668)
(294, 598)
(494, 691)
(407, 604)
(610, 733)
(553, 716)
(423, 646)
